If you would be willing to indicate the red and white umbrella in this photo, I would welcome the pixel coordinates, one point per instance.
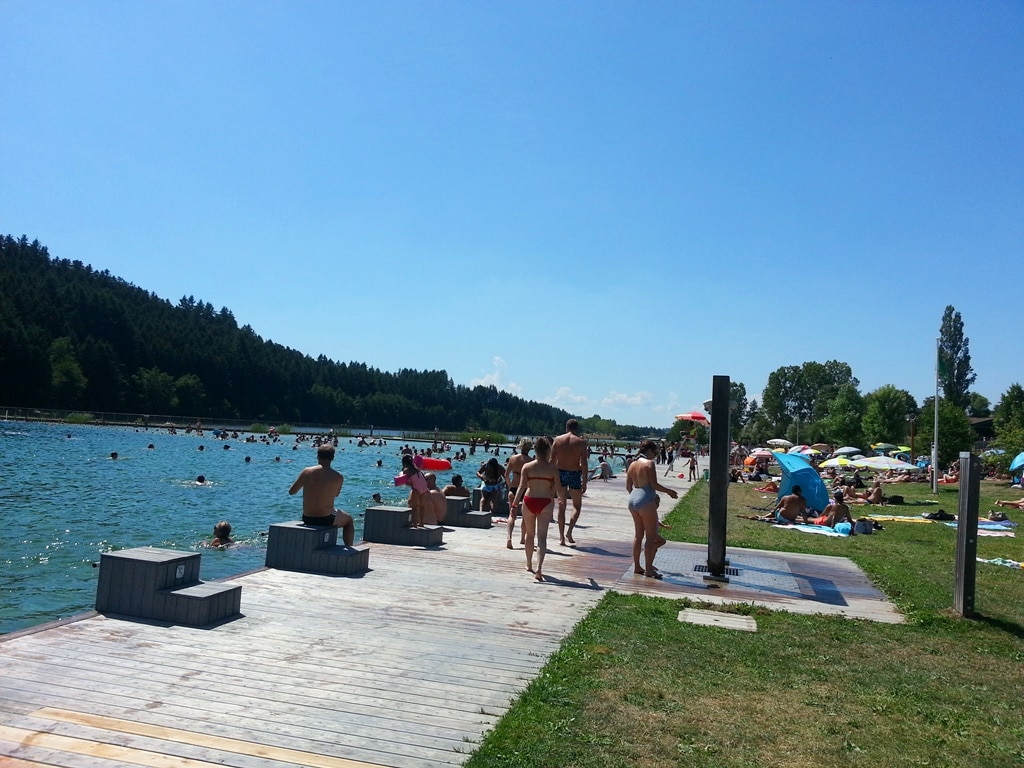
(695, 416)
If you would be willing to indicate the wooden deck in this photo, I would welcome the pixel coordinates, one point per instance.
(408, 664)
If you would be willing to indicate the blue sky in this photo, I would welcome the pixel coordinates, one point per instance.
(599, 205)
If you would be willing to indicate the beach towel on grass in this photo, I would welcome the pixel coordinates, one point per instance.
(1001, 561)
(902, 519)
(1002, 528)
(824, 530)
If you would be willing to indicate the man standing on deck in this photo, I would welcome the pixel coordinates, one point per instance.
(569, 455)
(320, 486)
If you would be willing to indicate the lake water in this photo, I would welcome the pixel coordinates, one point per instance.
(63, 501)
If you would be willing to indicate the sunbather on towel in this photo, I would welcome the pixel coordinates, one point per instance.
(790, 507)
(836, 512)
(1018, 504)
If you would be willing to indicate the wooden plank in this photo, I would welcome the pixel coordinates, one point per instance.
(20, 736)
(212, 742)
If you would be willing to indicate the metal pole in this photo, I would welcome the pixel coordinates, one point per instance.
(967, 534)
(718, 481)
(935, 431)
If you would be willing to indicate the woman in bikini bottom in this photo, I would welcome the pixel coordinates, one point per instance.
(536, 504)
(537, 509)
(640, 497)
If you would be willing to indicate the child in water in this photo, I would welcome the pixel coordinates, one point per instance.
(222, 534)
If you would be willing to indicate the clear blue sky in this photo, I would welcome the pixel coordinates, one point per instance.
(599, 205)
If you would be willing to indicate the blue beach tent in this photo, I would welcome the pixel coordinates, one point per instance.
(797, 471)
(1018, 462)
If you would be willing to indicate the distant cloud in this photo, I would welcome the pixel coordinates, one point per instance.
(565, 398)
(620, 398)
(496, 378)
(671, 405)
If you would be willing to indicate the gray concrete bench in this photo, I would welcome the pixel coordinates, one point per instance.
(500, 504)
(295, 546)
(163, 585)
(393, 525)
(462, 515)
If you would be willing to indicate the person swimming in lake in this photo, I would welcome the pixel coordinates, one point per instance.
(222, 535)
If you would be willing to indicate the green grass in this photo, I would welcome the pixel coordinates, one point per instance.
(79, 418)
(633, 686)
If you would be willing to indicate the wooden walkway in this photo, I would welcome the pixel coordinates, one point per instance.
(406, 665)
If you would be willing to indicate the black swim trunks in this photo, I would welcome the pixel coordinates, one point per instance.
(324, 520)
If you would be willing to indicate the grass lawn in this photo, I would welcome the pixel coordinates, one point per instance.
(633, 686)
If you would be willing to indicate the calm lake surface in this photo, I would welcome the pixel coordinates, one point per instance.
(63, 501)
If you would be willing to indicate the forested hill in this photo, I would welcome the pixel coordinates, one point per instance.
(72, 337)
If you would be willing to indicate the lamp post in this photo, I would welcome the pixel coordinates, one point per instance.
(913, 420)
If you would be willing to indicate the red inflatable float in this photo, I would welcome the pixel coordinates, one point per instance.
(429, 462)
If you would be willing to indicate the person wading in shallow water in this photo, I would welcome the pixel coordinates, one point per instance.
(569, 455)
(320, 486)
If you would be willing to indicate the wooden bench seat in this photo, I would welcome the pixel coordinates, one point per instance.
(295, 546)
(163, 585)
(461, 514)
(393, 525)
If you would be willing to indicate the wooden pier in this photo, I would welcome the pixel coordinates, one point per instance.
(405, 665)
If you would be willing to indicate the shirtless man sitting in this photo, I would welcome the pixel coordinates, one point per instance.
(320, 486)
(790, 507)
(569, 455)
(456, 488)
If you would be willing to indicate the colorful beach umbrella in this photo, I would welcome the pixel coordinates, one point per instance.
(1018, 462)
(779, 442)
(846, 450)
(694, 416)
(883, 462)
(838, 461)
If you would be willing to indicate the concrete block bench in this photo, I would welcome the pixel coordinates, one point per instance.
(163, 585)
(393, 525)
(500, 507)
(462, 515)
(295, 546)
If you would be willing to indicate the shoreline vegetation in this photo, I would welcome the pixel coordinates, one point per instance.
(632, 685)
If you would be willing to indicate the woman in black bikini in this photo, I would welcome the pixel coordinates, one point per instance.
(538, 489)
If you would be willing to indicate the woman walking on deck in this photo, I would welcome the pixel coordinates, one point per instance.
(642, 484)
(538, 488)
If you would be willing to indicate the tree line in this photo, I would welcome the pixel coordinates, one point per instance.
(76, 338)
(822, 403)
